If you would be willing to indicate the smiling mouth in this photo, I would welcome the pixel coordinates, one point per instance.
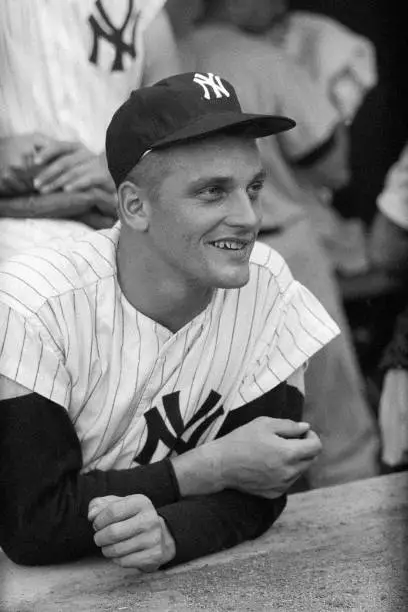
(230, 245)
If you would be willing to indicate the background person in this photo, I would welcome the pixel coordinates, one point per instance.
(64, 70)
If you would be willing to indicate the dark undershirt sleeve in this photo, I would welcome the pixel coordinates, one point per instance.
(44, 498)
(206, 524)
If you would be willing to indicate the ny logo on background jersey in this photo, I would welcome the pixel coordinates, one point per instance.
(157, 430)
(211, 81)
(103, 28)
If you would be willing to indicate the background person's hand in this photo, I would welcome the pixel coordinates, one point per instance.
(266, 456)
(71, 166)
(17, 166)
(130, 532)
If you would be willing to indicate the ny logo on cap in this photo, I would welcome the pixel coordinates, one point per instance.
(211, 81)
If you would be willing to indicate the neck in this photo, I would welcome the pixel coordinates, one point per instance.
(156, 292)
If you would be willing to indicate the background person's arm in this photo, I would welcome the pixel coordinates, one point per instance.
(91, 196)
(53, 205)
(161, 53)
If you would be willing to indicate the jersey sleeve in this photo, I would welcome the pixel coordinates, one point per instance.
(30, 356)
(296, 326)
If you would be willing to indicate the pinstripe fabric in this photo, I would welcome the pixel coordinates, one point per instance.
(68, 333)
(48, 83)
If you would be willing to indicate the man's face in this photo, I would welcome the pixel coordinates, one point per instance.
(206, 217)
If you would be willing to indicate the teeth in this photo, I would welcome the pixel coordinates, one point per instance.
(232, 246)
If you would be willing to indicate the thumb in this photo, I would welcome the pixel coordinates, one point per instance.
(99, 503)
(286, 428)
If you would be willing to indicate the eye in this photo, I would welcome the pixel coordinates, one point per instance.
(255, 189)
(211, 193)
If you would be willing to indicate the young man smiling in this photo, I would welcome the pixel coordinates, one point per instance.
(152, 374)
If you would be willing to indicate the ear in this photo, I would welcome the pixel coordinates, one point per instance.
(133, 206)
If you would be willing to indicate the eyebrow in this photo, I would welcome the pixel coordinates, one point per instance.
(259, 176)
(203, 181)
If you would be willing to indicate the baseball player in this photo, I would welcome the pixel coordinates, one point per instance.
(152, 373)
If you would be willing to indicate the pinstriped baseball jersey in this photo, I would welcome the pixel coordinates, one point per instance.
(135, 391)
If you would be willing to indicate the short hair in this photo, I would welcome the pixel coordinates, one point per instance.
(150, 172)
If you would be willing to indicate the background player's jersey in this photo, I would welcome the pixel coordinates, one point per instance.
(135, 391)
(67, 66)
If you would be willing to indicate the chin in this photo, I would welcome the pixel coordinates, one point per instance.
(235, 281)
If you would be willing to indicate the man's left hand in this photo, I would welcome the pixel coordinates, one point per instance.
(71, 166)
(130, 532)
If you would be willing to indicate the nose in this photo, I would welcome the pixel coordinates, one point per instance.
(244, 212)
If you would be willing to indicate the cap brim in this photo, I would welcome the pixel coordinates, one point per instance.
(238, 124)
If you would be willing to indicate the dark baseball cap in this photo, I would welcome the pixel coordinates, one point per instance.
(178, 109)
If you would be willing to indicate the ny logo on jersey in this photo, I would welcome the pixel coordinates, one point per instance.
(157, 430)
(103, 28)
(211, 81)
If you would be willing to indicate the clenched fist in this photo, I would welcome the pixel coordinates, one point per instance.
(130, 532)
(266, 456)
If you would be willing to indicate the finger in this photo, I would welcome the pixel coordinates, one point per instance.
(286, 428)
(72, 174)
(145, 561)
(121, 510)
(53, 176)
(306, 448)
(98, 503)
(122, 530)
(79, 182)
(137, 543)
(92, 175)
(54, 149)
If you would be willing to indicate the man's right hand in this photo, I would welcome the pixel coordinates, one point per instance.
(264, 457)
